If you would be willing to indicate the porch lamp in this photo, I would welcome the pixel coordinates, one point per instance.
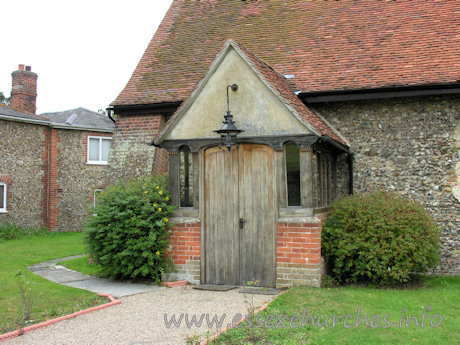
(228, 131)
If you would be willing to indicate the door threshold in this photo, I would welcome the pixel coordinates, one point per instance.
(214, 287)
(260, 290)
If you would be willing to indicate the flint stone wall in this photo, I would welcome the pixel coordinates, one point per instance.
(407, 145)
(77, 180)
(21, 161)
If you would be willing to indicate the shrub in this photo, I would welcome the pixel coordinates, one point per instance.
(379, 239)
(128, 234)
(9, 231)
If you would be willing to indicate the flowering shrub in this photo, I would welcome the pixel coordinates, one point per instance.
(128, 234)
(379, 238)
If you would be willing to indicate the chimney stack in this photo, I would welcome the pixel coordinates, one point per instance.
(24, 90)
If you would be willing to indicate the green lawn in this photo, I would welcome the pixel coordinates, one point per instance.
(441, 293)
(51, 299)
(82, 265)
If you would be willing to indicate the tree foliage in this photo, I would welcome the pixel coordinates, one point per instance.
(4, 99)
(379, 238)
(128, 234)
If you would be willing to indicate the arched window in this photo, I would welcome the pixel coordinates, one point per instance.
(292, 154)
(186, 178)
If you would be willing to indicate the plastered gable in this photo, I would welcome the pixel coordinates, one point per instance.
(256, 109)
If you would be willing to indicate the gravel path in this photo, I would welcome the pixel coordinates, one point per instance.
(139, 319)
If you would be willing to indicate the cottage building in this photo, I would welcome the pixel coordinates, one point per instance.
(52, 164)
(331, 98)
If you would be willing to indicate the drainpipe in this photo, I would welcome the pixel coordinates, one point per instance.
(109, 114)
(350, 158)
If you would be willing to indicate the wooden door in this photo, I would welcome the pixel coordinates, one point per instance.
(239, 185)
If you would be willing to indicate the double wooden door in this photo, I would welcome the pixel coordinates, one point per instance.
(239, 232)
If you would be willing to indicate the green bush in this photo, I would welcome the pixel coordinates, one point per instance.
(128, 234)
(9, 231)
(379, 239)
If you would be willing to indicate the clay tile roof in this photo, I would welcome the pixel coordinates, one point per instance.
(278, 84)
(325, 45)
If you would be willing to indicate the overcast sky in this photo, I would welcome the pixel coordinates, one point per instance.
(83, 51)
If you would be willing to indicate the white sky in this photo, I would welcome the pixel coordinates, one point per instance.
(84, 52)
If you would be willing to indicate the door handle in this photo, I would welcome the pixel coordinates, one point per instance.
(242, 221)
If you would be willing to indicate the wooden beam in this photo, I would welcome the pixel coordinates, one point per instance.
(186, 178)
(280, 177)
(306, 177)
(196, 179)
(319, 194)
(323, 180)
(174, 181)
(329, 179)
(334, 177)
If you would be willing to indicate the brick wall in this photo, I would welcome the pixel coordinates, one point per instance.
(184, 250)
(298, 254)
(24, 89)
(454, 181)
(53, 184)
(131, 156)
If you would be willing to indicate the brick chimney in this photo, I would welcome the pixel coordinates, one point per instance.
(24, 90)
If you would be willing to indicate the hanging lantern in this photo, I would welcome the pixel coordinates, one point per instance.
(228, 132)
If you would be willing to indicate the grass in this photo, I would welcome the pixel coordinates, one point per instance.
(10, 231)
(50, 299)
(438, 292)
(82, 265)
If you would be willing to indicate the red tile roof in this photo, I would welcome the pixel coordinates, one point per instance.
(326, 45)
(278, 84)
(281, 86)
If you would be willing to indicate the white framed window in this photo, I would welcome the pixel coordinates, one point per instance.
(3, 188)
(98, 149)
(97, 193)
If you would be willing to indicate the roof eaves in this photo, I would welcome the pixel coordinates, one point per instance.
(55, 124)
(189, 101)
(80, 128)
(24, 120)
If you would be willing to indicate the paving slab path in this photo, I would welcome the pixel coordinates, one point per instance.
(140, 318)
(62, 275)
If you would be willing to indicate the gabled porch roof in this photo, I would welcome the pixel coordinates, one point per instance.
(274, 81)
